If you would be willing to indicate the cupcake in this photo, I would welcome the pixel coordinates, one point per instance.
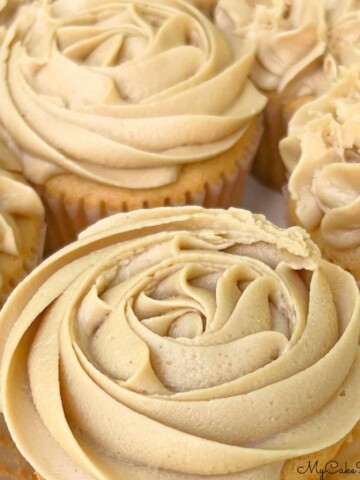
(291, 38)
(322, 157)
(115, 106)
(22, 229)
(183, 344)
(22, 234)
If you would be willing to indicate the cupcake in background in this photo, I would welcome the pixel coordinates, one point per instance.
(291, 39)
(182, 344)
(22, 228)
(322, 157)
(344, 31)
(8, 9)
(22, 234)
(115, 106)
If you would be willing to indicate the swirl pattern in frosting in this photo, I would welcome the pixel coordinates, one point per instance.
(183, 344)
(322, 156)
(344, 28)
(342, 50)
(123, 93)
(290, 36)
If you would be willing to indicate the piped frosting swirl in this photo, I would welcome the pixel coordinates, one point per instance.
(181, 344)
(152, 72)
(290, 36)
(322, 156)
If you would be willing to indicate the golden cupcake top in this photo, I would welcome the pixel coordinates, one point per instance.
(290, 36)
(180, 344)
(322, 156)
(123, 93)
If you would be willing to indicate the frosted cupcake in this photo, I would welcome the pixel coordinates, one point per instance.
(22, 229)
(114, 106)
(182, 344)
(291, 38)
(22, 234)
(321, 154)
(342, 50)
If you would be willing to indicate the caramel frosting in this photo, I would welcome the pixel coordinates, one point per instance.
(344, 32)
(7, 8)
(342, 49)
(322, 156)
(123, 93)
(179, 344)
(290, 36)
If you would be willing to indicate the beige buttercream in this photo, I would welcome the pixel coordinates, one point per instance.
(290, 36)
(180, 344)
(344, 36)
(342, 49)
(322, 156)
(123, 93)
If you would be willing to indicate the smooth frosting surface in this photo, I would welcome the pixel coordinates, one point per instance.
(180, 344)
(322, 156)
(124, 92)
(290, 36)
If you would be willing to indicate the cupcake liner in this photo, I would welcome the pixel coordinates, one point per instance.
(67, 219)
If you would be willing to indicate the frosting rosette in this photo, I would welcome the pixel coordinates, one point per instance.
(290, 36)
(7, 8)
(321, 154)
(180, 343)
(123, 93)
(344, 36)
